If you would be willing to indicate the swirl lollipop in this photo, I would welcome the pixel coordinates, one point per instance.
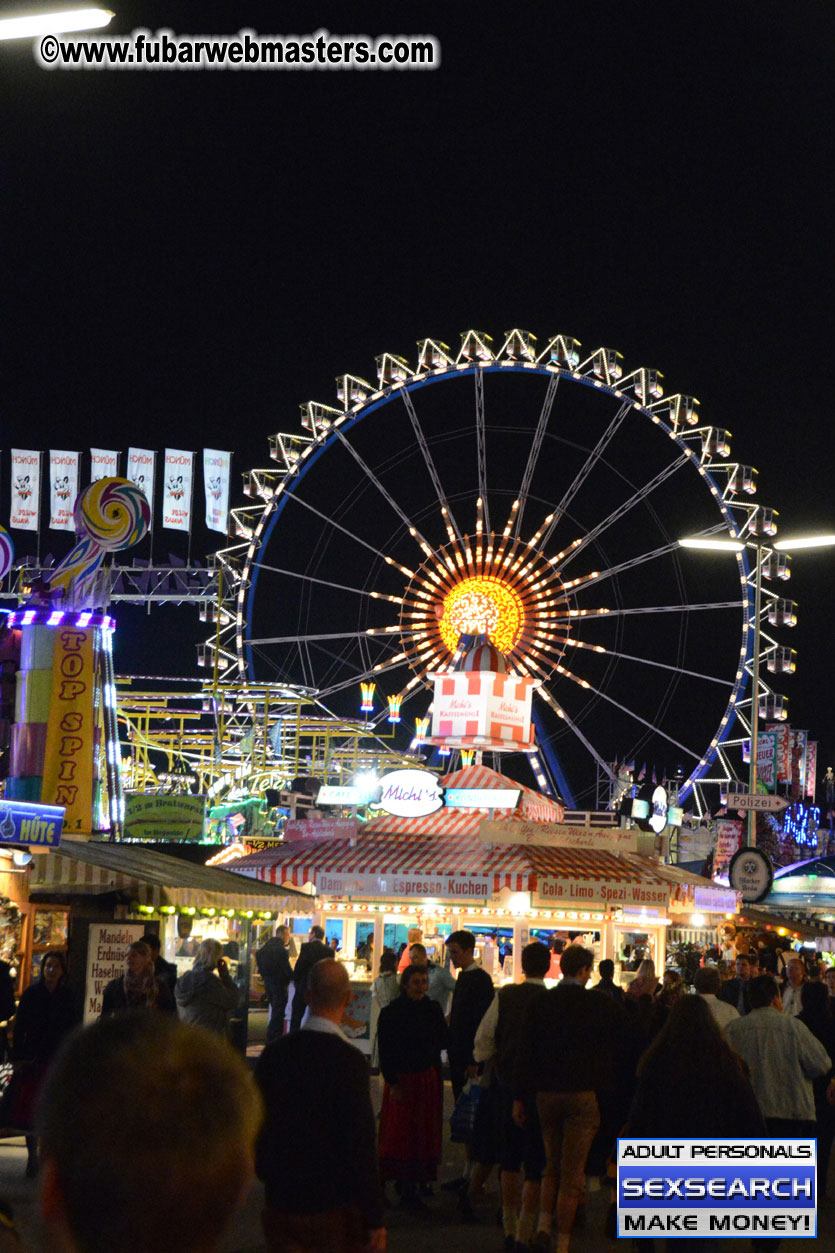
(80, 564)
(109, 515)
(113, 512)
(6, 552)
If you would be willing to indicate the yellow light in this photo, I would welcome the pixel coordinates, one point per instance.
(483, 605)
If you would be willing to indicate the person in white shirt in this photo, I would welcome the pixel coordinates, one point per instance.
(795, 978)
(707, 982)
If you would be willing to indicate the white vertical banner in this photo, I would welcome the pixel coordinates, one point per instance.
(216, 472)
(63, 488)
(104, 464)
(26, 490)
(141, 465)
(176, 491)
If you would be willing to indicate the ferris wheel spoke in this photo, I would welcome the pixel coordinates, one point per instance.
(623, 613)
(549, 699)
(337, 526)
(430, 464)
(533, 455)
(589, 464)
(481, 446)
(393, 664)
(337, 635)
(600, 575)
(384, 492)
(589, 687)
(646, 661)
(625, 507)
(340, 587)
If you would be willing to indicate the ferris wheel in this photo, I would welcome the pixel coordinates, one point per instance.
(536, 495)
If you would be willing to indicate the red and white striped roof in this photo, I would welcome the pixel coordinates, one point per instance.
(513, 866)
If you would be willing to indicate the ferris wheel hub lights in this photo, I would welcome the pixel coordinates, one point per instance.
(805, 541)
(712, 545)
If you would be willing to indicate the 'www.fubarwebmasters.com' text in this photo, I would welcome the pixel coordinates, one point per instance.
(163, 50)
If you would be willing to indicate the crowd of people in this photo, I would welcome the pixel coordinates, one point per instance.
(545, 1079)
(561, 1072)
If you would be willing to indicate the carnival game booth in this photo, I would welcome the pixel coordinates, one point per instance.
(489, 867)
(112, 893)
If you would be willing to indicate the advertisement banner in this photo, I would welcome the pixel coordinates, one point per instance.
(728, 840)
(708, 1189)
(797, 752)
(107, 952)
(217, 468)
(141, 466)
(558, 835)
(782, 731)
(26, 490)
(104, 464)
(442, 886)
(22, 823)
(550, 890)
(176, 489)
(149, 816)
(63, 489)
(296, 829)
(811, 768)
(767, 760)
(68, 759)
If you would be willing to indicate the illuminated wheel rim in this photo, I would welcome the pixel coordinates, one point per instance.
(341, 580)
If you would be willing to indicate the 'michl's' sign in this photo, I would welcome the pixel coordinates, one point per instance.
(409, 793)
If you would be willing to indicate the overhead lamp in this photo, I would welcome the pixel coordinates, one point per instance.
(712, 545)
(54, 23)
(804, 541)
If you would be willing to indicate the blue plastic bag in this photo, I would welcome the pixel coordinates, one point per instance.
(462, 1119)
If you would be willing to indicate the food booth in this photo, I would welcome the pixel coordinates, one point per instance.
(112, 893)
(487, 866)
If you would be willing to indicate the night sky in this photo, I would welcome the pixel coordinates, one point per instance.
(185, 257)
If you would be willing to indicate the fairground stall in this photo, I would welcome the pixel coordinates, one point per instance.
(491, 859)
(107, 895)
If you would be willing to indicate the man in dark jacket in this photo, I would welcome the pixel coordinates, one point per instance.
(735, 991)
(273, 962)
(166, 972)
(471, 999)
(566, 1054)
(314, 1080)
(314, 951)
(607, 984)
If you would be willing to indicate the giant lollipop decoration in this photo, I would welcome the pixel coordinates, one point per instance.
(109, 515)
(6, 552)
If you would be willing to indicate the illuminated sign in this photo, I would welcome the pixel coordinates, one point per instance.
(21, 823)
(409, 793)
(481, 798)
(658, 817)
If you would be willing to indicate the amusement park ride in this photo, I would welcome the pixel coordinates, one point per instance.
(531, 495)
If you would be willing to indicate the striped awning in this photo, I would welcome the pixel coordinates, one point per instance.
(514, 866)
(151, 878)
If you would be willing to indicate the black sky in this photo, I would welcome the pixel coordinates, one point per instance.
(187, 256)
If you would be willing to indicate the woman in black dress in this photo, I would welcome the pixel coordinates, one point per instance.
(410, 1034)
(45, 1016)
